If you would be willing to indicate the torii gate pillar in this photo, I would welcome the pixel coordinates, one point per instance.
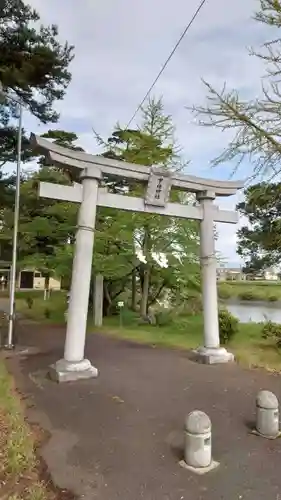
(211, 352)
(73, 366)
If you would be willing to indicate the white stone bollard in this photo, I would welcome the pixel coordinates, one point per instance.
(267, 415)
(198, 445)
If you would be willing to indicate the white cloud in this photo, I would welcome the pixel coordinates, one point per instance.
(120, 47)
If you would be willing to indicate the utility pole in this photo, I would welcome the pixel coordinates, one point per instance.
(10, 344)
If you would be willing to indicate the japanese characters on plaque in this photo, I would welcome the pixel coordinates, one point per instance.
(158, 188)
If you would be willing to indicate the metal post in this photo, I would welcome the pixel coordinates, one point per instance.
(15, 235)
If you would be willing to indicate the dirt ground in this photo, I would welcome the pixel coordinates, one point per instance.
(120, 436)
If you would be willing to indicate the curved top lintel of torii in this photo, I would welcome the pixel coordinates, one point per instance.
(61, 156)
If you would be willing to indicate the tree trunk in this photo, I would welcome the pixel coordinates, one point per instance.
(134, 290)
(106, 300)
(47, 287)
(145, 291)
(146, 274)
(156, 295)
(47, 282)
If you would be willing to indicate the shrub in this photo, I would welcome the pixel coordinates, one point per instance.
(29, 300)
(250, 295)
(272, 298)
(192, 306)
(47, 313)
(128, 317)
(163, 318)
(272, 331)
(228, 326)
(224, 293)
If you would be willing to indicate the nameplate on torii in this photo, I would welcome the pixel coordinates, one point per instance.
(158, 187)
(135, 204)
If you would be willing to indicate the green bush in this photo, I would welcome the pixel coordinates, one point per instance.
(163, 318)
(47, 313)
(224, 292)
(29, 301)
(128, 317)
(228, 326)
(192, 306)
(272, 298)
(272, 331)
(250, 295)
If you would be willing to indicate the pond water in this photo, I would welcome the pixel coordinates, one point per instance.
(255, 312)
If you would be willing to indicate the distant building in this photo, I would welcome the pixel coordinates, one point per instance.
(230, 274)
(270, 274)
(29, 279)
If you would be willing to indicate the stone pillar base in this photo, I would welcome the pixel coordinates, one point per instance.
(200, 470)
(212, 356)
(65, 371)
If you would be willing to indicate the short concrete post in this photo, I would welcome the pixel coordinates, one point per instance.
(267, 415)
(198, 445)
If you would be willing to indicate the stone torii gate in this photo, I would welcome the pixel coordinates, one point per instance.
(159, 183)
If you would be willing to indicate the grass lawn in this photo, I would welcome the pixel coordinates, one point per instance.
(19, 477)
(33, 306)
(248, 346)
(250, 290)
(250, 349)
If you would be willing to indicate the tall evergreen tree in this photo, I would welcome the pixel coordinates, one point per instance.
(147, 235)
(33, 68)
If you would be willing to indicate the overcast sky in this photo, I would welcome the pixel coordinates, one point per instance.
(119, 48)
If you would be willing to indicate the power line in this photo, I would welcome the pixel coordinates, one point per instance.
(168, 60)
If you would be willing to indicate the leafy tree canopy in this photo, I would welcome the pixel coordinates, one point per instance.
(44, 225)
(259, 242)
